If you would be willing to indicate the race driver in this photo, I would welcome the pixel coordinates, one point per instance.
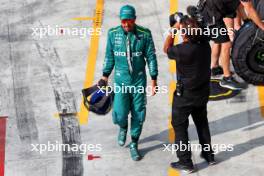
(129, 48)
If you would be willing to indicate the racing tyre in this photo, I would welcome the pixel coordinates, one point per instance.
(248, 54)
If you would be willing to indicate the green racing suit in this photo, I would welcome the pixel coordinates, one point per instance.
(128, 53)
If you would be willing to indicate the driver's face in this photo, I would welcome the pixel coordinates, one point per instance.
(128, 24)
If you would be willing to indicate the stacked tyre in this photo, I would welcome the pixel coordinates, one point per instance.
(248, 51)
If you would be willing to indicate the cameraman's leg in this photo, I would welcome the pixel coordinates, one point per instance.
(180, 123)
(199, 115)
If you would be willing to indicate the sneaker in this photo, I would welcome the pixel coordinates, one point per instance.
(122, 136)
(134, 151)
(208, 158)
(231, 83)
(215, 71)
(183, 167)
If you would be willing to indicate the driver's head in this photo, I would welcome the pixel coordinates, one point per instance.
(128, 17)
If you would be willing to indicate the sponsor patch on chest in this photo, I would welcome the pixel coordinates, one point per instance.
(134, 54)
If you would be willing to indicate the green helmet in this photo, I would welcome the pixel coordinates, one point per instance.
(127, 12)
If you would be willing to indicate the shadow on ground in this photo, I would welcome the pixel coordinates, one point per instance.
(244, 120)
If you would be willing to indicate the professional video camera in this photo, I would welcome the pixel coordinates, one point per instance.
(196, 13)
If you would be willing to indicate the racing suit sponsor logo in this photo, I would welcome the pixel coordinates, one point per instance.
(134, 54)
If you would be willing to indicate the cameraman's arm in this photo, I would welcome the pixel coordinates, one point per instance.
(252, 13)
(168, 43)
(170, 49)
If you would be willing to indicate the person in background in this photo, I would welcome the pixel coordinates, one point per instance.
(214, 12)
(216, 68)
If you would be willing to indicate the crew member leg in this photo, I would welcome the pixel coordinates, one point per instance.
(216, 69)
(225, 56)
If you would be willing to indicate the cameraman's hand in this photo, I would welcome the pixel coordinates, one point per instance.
(176, 26)
(154, 87)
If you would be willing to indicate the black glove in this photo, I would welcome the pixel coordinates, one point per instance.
(102, 83)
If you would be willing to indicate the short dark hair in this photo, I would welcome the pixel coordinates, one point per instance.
(192, 25)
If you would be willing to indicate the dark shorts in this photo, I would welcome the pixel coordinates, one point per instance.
(219, 37)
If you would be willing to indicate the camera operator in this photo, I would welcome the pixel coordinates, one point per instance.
(193, 58)
(213, 13)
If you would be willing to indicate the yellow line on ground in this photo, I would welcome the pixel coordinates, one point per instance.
(223, 94)
(83, 18)
(90, 68)
(172, 87)
(173, 172)
(173, 6)
(172, 70)
(261, 99)
(56, 115)
(173, 9)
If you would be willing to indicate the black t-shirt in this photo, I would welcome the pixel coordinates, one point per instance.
(193, 65)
